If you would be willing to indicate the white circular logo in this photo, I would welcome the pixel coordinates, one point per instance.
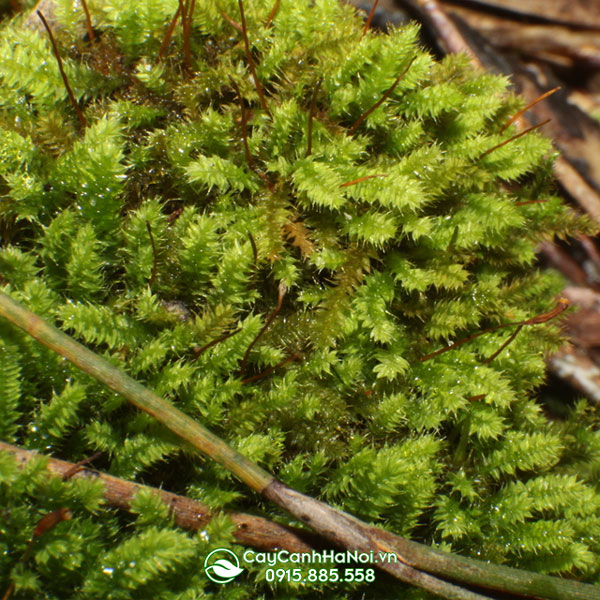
(222, 565)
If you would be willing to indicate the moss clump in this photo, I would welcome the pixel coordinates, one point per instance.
(277, 268)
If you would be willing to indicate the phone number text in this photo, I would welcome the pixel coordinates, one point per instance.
(321, 575)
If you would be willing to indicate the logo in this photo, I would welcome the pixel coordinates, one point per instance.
(222, 566)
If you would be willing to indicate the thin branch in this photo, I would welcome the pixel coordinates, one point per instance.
(383, 98)
(369, 18)
(270, 370)
(174, 215)
(514, 137)
(530, 105)
(231, 21)
(78, 466)
(187, 513)
(259, 89)
(182, 11)
(169, 34)
(187, 27)
(361, 179)
(476, 398)
(254, 252)
(273, 13)
(282, 291)
(243, 124)
(199, 351)
(154, 254)
(183, 6)
(80, 116)
(560, 307)
(88, 21)
(311, 114)
(510, 339)
(147, 401)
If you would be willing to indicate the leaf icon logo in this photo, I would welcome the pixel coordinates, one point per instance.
(222, 570)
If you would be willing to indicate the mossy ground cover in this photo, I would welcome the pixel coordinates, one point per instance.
(253, 242)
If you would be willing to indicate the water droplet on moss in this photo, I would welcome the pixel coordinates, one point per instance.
(203, 534)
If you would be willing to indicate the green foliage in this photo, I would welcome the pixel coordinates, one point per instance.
(10, 392)
(156, 239)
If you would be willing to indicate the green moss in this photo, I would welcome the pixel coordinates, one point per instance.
(150, 235)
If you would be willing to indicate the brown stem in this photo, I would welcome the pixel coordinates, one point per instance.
(187, 27)
(476, 398)
(183, 8)
(51, 520)
(243, 124)
(174, 215)
(273, 13)
(182, 11)
(154, 254)
(512, 336)
(369, 18)
(254, 252)
(514, 137)
(383, 98)
(270, 370)
(361, 179)
(169, 34)
(78, 466)
(88, 21)
(187, 513)
(560, 307)
(282, 291)
(198, 352)
(524, 110)
(259, 89)
(231, 21)
(80, 116)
